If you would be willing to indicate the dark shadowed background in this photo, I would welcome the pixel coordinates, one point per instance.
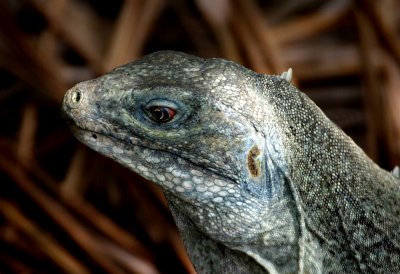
(66, 209)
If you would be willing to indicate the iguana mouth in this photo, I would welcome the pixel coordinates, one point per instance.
(95, 136)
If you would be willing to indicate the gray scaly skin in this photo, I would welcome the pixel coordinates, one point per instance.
(257, 178)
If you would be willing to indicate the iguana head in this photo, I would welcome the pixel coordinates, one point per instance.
(199, 128)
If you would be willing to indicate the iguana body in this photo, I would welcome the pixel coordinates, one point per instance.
(257, 178)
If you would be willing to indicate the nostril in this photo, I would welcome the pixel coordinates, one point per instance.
(94, 136)
(76, 96)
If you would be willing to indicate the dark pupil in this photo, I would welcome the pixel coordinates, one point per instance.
(161, 114)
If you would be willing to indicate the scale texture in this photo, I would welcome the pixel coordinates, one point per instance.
(258, 179)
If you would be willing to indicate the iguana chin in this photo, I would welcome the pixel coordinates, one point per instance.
(257, 178)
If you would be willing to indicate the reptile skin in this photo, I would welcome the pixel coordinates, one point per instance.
(258, 179)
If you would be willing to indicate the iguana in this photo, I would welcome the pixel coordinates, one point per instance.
(258, 179)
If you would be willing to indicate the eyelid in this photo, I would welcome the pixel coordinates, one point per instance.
(161, 102)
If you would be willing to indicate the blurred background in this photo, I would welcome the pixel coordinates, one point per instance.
(66, 209)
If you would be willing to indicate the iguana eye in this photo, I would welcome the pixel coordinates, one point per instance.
(161, 114)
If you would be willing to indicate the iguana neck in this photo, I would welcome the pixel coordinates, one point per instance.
(280, 232)
(336, 186)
